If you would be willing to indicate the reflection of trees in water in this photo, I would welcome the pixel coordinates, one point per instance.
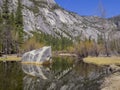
(61, 66)
(11, 76)
(89, 70)
(34, 83)
(65, 75)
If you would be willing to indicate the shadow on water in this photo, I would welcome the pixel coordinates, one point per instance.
(63, 74)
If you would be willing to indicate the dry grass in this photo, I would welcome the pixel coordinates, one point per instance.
(10, 58)
(103, 60)
(36, 63)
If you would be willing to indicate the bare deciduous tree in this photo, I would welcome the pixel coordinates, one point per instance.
(103, 28)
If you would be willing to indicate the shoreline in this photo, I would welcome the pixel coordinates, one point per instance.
(11, 57)
(112, 82)
(94, 60)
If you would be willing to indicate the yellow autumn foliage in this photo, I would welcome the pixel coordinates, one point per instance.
(32, 44)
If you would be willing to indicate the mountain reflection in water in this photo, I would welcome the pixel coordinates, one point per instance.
(63, 74)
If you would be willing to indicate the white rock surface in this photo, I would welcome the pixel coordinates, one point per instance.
(46, 16)
(41, 55)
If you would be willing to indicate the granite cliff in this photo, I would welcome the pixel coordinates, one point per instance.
(48, 17)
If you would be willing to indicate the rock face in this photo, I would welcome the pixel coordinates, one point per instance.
(47, 17)
(39, 56)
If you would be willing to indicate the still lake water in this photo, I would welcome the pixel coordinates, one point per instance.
(63, 74)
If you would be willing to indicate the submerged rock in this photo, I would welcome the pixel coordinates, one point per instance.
(39, 56)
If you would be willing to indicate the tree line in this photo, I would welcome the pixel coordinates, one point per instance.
(11, 29)
(42, 39)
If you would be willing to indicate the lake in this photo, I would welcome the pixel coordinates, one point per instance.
(63, 74)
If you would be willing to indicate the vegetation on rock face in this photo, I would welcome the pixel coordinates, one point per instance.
(40, 39)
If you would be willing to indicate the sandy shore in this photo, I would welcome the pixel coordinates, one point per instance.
(112, 82)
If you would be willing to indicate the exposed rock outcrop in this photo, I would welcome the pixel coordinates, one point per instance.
(39, 56)
(47, 17)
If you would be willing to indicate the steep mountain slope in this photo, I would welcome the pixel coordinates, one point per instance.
(50, 18)
(116, 20)
(116, 33)
(46, 16)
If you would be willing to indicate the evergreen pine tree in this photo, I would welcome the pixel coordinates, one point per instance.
(19, 23)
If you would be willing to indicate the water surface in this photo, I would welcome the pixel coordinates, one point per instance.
(63, 74)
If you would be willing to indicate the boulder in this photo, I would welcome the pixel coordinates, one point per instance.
(38, 56)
